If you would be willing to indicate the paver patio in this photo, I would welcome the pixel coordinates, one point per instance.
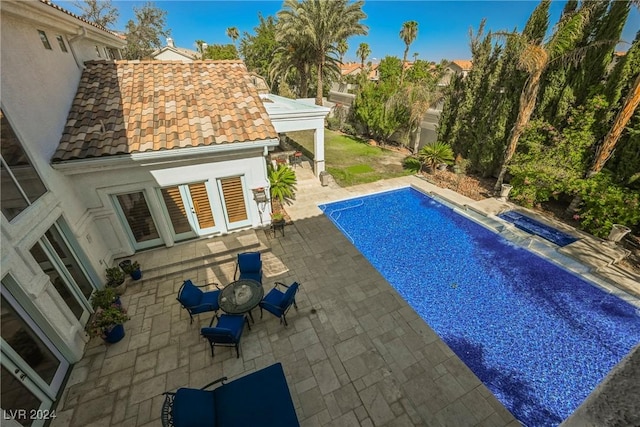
(354, 354)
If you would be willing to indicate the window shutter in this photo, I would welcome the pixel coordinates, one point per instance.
(234, 199)
(201, 205)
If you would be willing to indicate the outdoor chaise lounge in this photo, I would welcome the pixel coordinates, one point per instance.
(261, 398)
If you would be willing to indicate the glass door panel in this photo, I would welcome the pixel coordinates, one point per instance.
(26, 343)
(40, 255)
(177, 212)
(15, 397)
(63, 251)
(141, 227)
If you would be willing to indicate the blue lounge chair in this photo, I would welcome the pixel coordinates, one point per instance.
(249, 266)
(195, 301)
(278, 303)
(227, 332)
(261, 398)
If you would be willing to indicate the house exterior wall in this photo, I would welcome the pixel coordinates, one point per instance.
(170, 55)
(37, 88)
(132, 176)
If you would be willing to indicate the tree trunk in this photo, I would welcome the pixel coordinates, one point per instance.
(319, 88)
(622, 118)
(416, 140)
(611, 139)
(527, 104)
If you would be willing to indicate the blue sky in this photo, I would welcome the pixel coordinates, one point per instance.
(443, 26)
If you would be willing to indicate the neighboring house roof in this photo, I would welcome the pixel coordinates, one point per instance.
(349, 68)
(186, 53)
(124, 107)
(464, 64)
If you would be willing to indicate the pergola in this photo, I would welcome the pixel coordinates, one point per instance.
(288, 115)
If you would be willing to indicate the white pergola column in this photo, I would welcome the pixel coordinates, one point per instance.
(318, 151)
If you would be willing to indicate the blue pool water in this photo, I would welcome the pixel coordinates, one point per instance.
(530, 225)
(539, 337)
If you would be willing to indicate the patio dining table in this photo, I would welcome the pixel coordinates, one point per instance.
(241, 296)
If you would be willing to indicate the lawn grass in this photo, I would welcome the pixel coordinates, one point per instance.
(352, 161)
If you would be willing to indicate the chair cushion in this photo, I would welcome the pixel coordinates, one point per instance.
(251, 276)
(219, 335)
(194, 408)
(260, 399)
(190, 295)
(208, 302)
(289, 295)
(249, 262)
(234, 323)
(274, 299)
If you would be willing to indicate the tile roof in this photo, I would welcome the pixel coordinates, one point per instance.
(124, 107)
(464, 64)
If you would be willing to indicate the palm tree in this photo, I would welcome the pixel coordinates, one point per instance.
(322, 23)
(342, 49)
(233, 34)
(534, 58)
(408, 34)
(416, 99)
(363, 53)
(200, 44)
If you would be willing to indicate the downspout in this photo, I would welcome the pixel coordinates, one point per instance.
(82, 34)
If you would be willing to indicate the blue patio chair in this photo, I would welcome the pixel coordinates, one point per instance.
(249, 266)
(278, 303)
(261, 398)
(227, 332)
(196, 301)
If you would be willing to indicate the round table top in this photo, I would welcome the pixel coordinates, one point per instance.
(240, 296)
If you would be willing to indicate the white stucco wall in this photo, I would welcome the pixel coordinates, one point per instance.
(37, 88)
(170, 55)
(96, 188)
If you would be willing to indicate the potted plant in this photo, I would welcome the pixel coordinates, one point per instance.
(133, 269)
(104, 298)
(108, 323)
(115, 276)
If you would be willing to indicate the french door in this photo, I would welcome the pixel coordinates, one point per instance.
(141, 228)
(203, 208)
(32, 369)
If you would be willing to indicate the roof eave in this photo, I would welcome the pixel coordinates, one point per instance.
(95, 164)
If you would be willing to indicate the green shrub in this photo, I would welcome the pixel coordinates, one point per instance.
(283, 182)
(412, 163)
(605, 203)
(434, 154)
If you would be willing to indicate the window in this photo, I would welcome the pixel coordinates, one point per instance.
(98, 52)
(20, 184)
(63, 46)
(44, 39)
(58, 261)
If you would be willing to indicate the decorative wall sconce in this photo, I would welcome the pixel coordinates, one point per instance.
(259, 195)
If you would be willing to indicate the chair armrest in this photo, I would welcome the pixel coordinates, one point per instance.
(265, 303)
(219, 380)
(208, 284)
(191, 307)
(276, 284)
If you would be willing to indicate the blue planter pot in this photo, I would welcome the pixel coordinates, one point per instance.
(115, 334)
(136, 274)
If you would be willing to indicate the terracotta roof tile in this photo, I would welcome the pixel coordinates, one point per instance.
(136, 106)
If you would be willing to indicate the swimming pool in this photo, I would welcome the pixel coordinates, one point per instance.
(539, 337)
